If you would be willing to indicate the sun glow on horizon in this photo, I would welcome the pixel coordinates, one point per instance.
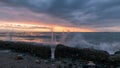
(26, 27)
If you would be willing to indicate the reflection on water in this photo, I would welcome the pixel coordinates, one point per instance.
(28, 37)
(3, 38)
(24, 39)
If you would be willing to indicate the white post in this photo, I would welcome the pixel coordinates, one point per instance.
(52, 53)
(11, 33)
(55, 40)
(52, 36)
(52, 44)
(62, 37)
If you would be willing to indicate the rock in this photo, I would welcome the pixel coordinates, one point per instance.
(94, 55)
(38, 49)
(37, 61)
(118, 52)
(115, 58)
(90, 63)
(118, 67)
(19, 57)
(78, 53)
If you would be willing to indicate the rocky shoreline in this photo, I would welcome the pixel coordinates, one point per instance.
(35, 50)
(99, 57)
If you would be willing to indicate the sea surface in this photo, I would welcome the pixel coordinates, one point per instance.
(108, 41)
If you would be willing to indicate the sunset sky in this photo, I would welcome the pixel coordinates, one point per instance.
(61, 15)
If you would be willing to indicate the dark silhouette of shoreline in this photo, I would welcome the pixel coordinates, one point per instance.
(61, 52)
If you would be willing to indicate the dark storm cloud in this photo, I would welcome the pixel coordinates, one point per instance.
(89, 13)
(55, 7)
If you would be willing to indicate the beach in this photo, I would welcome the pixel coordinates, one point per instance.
(8, 60)
(27, 55)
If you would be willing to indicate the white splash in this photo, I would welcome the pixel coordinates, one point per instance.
(78, 41)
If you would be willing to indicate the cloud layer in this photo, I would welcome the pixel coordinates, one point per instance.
(102, 15)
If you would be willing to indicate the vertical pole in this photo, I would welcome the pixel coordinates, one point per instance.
(55, 40)
(52, 44)
(10, 33)
(52, 36)
(63, 34)
(52, 53)
(62, 37)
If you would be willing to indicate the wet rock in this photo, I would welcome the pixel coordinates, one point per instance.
(118, 52)
(19, 57)
(118, 67)
(79, 53)
(115, 59)
(37, 61)
(91, 63)
(37, 50)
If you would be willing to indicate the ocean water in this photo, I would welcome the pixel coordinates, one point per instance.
(108, 41)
